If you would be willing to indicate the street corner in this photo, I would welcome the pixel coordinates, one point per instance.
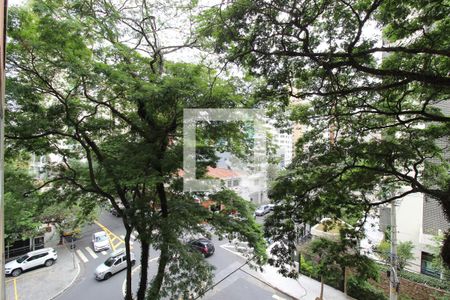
(46, 282)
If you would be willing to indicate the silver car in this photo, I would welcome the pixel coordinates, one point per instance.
(116, 262)
(262, 210)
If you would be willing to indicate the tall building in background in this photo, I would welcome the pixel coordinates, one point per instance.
(282, 141)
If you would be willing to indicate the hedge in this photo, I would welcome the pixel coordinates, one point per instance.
(423, 279)
(363, 290)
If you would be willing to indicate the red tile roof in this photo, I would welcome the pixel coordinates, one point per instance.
(220, 173)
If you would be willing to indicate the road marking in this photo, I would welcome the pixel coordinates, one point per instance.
(92, 253)
(132, 271)
(82, 256)
(112, 237)
(16, 295)
(104, 252)
(225, 247)
(278, 297)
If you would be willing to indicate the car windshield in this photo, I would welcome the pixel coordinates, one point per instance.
(109, 262)
(100, 238)
(22, 258)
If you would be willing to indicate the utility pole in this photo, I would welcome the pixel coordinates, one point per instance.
(393, 280)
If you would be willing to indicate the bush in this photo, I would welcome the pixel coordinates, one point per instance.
(306, 267)
(422, 279)
(442, 297)
(363, 290)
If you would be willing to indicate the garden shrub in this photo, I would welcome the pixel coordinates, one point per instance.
(359, 289)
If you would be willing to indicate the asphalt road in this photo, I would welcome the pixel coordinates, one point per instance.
(230, 282)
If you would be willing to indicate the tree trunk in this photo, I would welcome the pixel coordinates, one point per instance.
(145, 247)
(345, 280)
(128, 292)
(158, 280)
(164, 256)
(321, 287)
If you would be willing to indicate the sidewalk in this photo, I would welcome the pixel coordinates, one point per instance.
(47, 282)
(303, 288)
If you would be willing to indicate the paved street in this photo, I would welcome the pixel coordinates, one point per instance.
(72, 277)
(226, 260)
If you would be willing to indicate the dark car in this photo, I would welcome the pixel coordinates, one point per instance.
(203, 245)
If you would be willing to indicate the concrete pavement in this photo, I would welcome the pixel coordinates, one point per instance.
(46, 282)
(303, 288)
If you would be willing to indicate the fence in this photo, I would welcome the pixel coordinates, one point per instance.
(19, 248)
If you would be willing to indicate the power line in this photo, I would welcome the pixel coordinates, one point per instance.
(215, 284)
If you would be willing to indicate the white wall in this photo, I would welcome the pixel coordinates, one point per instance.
(409, 226)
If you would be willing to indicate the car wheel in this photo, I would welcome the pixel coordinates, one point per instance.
(16, 272)
(133, 262)
(49, 262)
(107, 276)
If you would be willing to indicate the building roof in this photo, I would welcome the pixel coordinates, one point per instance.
(220, 173)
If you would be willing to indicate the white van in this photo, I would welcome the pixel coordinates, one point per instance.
(43, 257)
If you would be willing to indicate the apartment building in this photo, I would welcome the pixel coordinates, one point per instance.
(420, 217)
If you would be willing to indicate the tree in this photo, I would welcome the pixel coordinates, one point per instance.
(437, 262)
(333, 257)
(374, 103)
(404, 252)
(89, 82)
(21, 210)
(69, 217)
(27, 207)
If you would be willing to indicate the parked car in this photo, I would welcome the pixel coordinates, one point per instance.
(115, 263)
(203, 245)
(100, 241)
(43, 257)
(262, 210)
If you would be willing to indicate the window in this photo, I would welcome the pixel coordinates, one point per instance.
(100, 238)
(41, 255)
(33, 258)
(235, 182)
(21, 259)
(229, 183)
(109, 262)
(118, 261)
(426, 265)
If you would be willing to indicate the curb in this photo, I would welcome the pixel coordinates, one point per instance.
(270, 285)
(71, 283)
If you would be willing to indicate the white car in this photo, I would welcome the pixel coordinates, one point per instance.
(262, 210)
(43, 257)
(115, 263)
(100, 241)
